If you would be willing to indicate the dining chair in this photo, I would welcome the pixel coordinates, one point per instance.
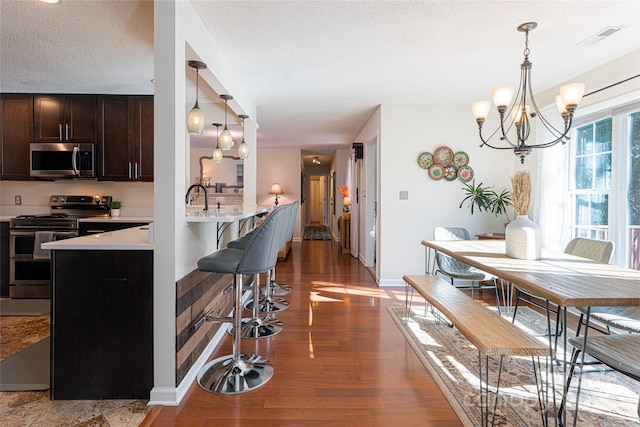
(596, 250)
(458, 270)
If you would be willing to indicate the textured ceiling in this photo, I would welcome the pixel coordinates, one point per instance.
(318, 69)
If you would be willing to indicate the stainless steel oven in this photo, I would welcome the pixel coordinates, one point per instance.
(29, 266)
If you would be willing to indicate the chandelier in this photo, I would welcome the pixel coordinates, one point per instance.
(524, 107)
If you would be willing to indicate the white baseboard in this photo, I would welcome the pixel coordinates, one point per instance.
(391, 283)
(172, 396)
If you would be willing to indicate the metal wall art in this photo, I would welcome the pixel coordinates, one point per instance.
(446, 164)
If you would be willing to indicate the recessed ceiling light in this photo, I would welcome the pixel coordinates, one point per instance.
(50, 1)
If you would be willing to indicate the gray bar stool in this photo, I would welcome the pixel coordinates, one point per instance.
(279, 290)
(269, 303)
(239, 373)
(256, 326)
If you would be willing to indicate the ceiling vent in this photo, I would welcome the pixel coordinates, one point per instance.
(609, 31)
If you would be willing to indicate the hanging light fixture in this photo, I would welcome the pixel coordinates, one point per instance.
(243, 148)
(566, 102)
(217, 152)
(225, 140)
(195, 119)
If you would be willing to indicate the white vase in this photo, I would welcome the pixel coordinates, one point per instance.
(522, 238)
(115, 212)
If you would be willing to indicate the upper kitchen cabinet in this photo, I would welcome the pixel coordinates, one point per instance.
(17, 132)
(69, 118)
(143, 137)
(125, 138)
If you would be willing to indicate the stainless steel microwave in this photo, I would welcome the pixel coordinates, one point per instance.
(62, 160)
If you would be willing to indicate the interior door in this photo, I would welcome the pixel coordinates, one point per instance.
(317, 200)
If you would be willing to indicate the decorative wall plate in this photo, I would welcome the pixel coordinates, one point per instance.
(443, 156)
(436, 172)
(425, 160)
(450, 173)
(465, 173)
(460, 159)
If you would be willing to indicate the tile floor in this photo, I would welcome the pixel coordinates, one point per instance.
(19, 409)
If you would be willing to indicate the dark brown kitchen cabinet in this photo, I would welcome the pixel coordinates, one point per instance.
(4, 259)
(64, 118)
(102, 324)
(17, 133)
(125, 138)
(98, 227)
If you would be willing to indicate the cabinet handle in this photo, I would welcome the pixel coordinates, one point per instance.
(60, 131)
(129, 170)
(136, 169)
(66, 132)
(69, 132)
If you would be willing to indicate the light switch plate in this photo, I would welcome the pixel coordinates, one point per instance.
(18, 199)
(404, 195)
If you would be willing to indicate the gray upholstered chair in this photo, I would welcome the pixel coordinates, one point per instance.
(458, 270)
(596, 250)
(239, 373)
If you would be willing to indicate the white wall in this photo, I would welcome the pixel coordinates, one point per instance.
(280, 165)
(407, 131)
(136, 197)
(180, 35)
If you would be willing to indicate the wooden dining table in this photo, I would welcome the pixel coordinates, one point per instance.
(563, 279)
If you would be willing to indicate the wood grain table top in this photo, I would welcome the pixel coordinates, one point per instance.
(564, 279)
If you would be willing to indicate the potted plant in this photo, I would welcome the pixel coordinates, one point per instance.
(115, 206)
(486, 199)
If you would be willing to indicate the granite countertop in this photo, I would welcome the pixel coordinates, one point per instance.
(225, 214)
(129, 239)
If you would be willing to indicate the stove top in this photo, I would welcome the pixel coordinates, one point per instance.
(65, 211)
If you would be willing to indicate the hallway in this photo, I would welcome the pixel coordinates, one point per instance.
(340, 360)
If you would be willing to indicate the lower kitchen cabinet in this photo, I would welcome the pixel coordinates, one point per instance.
(4, 259)
(102, 324)
(87, 228)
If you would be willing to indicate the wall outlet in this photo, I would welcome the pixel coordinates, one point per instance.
(404, 195)
(18, 199)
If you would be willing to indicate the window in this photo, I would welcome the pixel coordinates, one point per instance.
(605, 182)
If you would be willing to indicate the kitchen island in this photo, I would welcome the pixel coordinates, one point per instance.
(102, 316)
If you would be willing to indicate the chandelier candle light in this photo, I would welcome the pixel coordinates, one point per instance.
(520, 110)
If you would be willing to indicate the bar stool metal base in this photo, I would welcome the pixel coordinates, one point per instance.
(224, 376)
(255, 328)
(269, 305)
(279, 290)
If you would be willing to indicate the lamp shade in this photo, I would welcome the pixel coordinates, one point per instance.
(571, 94)
(502, 95)
(346, 201)
(276, 189)
(217, 155)
(225, 142)
(481, 109)
(243, 150)
(195, 120)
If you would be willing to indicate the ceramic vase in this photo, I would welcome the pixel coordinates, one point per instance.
(115, 212)
(522, 238)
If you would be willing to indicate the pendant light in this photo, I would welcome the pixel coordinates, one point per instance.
(217, 152)
(225, 140)
(195, 119)
(243, 148)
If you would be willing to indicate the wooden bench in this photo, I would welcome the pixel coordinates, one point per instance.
(491, 334)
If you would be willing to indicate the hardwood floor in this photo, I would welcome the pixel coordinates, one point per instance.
(340, 360)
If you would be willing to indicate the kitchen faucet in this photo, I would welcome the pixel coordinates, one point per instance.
(206, 195)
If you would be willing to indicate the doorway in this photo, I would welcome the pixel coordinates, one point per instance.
(317, 200)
